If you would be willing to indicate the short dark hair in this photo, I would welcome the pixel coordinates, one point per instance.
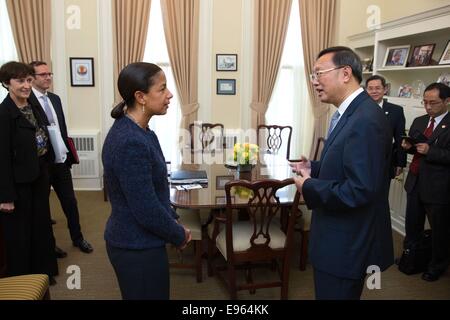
(138, 76)
(444, 90)
(37, 63)
(376, 77)
(14, 70)
(344, 56)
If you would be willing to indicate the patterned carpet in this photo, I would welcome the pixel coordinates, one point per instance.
(98, 279)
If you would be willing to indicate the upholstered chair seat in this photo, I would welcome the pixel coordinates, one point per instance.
(26, 287)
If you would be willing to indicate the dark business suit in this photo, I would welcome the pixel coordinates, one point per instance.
(24, 180)
(350, 227)
(429, 192)
(396, 119)
(60, 175)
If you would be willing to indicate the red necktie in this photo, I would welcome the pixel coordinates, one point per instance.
(415, 164)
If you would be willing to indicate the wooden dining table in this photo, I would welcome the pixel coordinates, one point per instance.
(212, 195)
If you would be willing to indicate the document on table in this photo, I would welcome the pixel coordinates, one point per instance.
(187, 187)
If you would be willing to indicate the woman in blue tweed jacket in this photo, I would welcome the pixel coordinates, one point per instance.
(141, 221)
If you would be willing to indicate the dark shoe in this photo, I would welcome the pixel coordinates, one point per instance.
(84, 246)
(431, 276)
(60, 253)
(52, 280)
(53, 221)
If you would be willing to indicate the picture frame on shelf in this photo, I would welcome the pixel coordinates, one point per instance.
(82, 72)
(444, 78)
(226, 86)
(367, 65)
(387, 89)
(421, 55)
(445, 58)
(405, 91)
(226, 62)
(397, 56)
(222, 180)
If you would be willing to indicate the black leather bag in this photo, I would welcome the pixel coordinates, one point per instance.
(415, 259)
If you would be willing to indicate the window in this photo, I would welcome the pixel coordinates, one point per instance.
(8, 51)
(156, 52)
(289, 105)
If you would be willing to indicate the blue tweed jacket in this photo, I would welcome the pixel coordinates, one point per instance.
(136, 179)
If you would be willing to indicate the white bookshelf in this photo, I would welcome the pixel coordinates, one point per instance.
(430, 27)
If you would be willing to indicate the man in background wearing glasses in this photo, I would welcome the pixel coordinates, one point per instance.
(49, 104)
(347, 188)
(428, 181)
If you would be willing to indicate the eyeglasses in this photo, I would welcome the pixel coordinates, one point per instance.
(430, 103)
(317, 74)
(43, 75)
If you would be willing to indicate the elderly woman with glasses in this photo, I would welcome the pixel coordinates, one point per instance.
(24, 183)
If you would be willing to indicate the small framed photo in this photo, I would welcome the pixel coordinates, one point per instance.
(222, 180)
(444, 78)
(421, 55)
(226, 86)
(405, 91)
(226, 62)
(367, 65)
(396, 56)
(223, 200)
(445, 58)
(82, 72)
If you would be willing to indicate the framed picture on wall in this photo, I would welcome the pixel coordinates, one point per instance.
(445, 58)
(396, 56)
(226, 86)
(226, 62)
(82, 72)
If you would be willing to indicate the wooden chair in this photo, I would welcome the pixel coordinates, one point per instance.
(272, 137)
(26, 287)
(304, 223)
(2, 252)
(190, 218)
(319, 147)
(261, 240)
(210, 136)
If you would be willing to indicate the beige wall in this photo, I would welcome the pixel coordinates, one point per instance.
(84, 109)
(227, 38)
(227, 34)
(353, 16)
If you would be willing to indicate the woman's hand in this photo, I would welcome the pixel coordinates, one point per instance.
(7, 207)
(187, 237)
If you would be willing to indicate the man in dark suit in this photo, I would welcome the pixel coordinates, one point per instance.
(428, 181)
(376, 88)
(50, 107)
(346, 189)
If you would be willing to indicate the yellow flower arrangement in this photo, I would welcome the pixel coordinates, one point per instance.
(245, 153)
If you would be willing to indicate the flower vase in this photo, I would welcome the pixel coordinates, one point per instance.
(244, 172)
(244, 167)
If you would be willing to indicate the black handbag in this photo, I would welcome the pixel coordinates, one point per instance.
(416, 258)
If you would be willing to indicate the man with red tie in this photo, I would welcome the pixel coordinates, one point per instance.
(428, 181)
